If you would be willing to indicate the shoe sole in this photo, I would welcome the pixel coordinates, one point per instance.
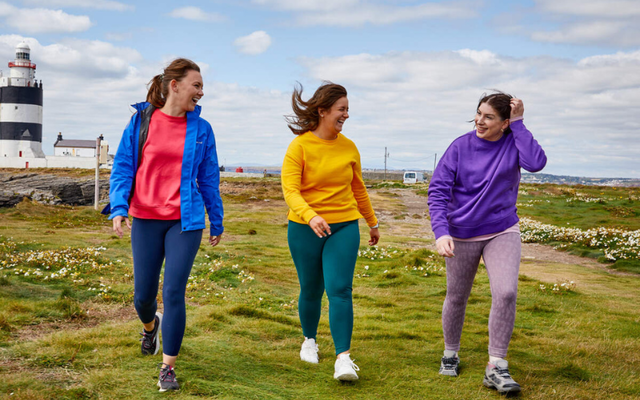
(159, 328)
(490, 385)
(309, 361)
(165, 390)
(346, 377)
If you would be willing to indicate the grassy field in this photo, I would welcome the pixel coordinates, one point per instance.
(68, 329)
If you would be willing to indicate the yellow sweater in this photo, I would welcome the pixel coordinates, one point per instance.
(324, 177)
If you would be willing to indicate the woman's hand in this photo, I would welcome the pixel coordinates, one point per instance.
(374, 233)
(445, 247)
(215, 240)
(517, 108)
(320, 226)
(117, 224)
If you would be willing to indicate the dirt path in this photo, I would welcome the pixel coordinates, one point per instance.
(416, 217)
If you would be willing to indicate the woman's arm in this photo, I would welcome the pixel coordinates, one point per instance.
(122, 172)
(532, 157)
(361, 195)
(209, 185)
(364, 202)
(292, 168)
(439, 193)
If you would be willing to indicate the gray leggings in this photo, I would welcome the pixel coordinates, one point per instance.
(502, 258)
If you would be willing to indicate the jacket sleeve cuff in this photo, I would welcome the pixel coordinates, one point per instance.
(118, 213)
(443, 237)
(215, 231)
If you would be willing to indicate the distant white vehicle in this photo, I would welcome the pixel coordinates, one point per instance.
(413, 177)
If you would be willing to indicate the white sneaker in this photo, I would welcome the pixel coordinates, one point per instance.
(345, 369)
(309, 351)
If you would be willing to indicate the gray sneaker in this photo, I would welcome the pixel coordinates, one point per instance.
(167, 378)
(497, 377)
(450, 366)
(150, 341)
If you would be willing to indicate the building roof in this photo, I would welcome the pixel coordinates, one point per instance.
(87, 144)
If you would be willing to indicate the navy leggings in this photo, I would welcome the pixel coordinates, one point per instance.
(154, 241)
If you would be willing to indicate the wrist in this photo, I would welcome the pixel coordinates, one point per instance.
(376, 226)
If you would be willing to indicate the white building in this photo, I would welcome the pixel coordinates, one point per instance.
(74, 147)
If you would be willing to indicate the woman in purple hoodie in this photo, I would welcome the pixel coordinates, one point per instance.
(472, 203)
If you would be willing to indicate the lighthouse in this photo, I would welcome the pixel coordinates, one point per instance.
(21, 108)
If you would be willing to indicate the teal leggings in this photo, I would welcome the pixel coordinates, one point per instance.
(326, 263)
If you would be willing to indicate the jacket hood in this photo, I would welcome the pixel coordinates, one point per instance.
(142, 105)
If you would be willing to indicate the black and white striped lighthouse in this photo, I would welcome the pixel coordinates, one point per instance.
(21, 108)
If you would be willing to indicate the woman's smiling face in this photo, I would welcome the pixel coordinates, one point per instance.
(489, 125)
(188, 91)
(335, 117)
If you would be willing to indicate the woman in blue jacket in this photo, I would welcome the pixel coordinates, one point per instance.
(165, 174)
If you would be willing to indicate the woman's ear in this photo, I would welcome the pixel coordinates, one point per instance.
(505, 124)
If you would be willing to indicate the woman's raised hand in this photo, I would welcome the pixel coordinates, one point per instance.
(517, 108)
(320, 226)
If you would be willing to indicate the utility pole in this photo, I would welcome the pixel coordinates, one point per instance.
(97, 191)
(435, 158)
(386, 155)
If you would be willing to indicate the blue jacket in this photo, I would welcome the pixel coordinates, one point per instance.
(199, 180)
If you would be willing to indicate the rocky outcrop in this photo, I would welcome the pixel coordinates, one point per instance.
(49, 189)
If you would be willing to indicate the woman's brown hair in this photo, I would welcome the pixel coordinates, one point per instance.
(306, 115)
(499, 101)
(159, 85)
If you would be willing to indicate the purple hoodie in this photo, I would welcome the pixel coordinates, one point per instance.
(474, 189)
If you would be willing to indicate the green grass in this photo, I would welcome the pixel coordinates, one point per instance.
(58, 339)
(608, 206)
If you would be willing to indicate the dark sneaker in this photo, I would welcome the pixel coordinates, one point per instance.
(167, 378)
(150, 340)
(450, 366)
(496, 376)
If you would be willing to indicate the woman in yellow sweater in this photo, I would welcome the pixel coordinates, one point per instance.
(323, 187)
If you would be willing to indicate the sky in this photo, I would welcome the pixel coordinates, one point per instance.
(414, 71)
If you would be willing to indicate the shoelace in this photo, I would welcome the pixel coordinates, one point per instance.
(308, 345)
(353, 365)
(449, 362)
(166, 373)
(503, 373)
(147, 340)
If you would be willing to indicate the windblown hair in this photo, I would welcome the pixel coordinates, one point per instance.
(306, 114)
(499, 101)
(158, 87)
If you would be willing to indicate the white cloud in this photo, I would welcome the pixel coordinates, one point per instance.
(601, 22)
(613, 32)
(594, 8)
(583, 113)
(361, 12)
(40, 20)
(97, 4)
(255, 43)
(196, 14)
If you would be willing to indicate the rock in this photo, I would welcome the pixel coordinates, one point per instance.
(49, 189)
